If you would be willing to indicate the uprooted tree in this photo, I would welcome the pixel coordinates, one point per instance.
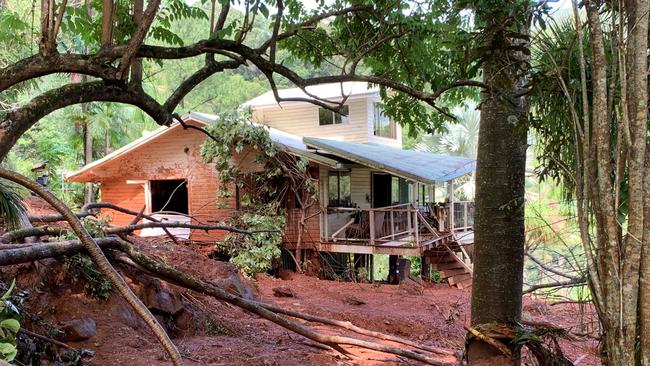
(422, 54)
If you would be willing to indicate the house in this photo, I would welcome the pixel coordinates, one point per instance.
(374, 197)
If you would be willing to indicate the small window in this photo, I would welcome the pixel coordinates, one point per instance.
(383, 126)
(339, 189)
(327, 117)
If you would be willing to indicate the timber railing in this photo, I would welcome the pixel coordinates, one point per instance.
(395, 225)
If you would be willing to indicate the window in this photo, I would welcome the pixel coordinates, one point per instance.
(400, 190)
(383, 126)
(327, 117)
(339, 189)
(169, 195)
(423, 195)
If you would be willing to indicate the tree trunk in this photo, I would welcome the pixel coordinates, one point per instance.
(88, 151)
(499, 223)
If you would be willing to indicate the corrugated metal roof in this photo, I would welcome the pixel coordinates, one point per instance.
(333, 92)
(419, 166)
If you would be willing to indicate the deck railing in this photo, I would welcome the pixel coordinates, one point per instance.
(372, 226)
(394, 224)
(461, 216)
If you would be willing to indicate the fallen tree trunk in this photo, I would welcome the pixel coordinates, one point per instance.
(266, 311)
(98, 257)
(349, 326)
(19, 234)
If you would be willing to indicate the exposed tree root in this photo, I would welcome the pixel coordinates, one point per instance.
(99, 258)
(266, 311)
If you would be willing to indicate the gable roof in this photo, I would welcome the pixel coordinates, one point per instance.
(76, 176)
(333, 92)
(419, 166)
(282, 140)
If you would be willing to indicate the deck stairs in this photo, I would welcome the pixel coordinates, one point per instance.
(453, 266)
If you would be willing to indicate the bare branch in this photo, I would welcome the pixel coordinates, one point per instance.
(138, 37)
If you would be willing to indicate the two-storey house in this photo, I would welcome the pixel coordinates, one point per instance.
(374, 197)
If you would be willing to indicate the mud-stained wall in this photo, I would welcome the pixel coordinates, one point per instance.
(174, 155)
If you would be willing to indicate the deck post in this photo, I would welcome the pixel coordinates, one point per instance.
(416, 227)
(465, 215)
(371, 221)
(392, 224)
(409, 222)
(450, 197)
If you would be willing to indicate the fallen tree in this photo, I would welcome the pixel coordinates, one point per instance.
(38, 251)
(93, 246)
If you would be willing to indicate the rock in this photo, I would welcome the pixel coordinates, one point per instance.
(411, 288)
(79, 329)
(159, 297)
(283, 292)
(352, 300)
(285, 274)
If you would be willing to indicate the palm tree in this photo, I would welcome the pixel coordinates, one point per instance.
(460, 139)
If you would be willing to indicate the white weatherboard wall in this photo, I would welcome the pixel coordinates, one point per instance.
(302, 120)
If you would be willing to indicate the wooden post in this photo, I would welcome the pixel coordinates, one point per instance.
(425, 269)
(371, 220)
(465, 214)
(392, 223)
(450, 197)
(417, 229)
(409, 223)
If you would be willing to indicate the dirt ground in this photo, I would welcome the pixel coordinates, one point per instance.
(209, 332)
(220, 334)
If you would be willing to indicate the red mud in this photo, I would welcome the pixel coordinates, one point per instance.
(234, 337)
(221, 334)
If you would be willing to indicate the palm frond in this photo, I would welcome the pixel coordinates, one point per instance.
(11, 206)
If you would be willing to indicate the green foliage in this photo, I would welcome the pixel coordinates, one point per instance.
(9, 325)
(11, 206)
(81, 267)
(255, 253)
(262, 195)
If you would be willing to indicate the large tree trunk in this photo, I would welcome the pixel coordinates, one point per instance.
(499, 222)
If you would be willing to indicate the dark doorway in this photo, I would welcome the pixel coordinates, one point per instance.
(169, 195)
(381, 190)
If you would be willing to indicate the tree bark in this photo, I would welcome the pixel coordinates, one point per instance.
(499, 223)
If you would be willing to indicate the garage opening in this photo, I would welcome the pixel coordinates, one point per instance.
(169, 195)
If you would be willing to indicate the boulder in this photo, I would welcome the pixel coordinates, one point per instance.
(159, 297)
(79, 329)
(283, 292)
(352, 300)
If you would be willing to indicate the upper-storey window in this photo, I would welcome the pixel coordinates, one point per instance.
(327, 117)
(383, 126)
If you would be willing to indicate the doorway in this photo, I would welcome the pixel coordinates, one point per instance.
(381, 190)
